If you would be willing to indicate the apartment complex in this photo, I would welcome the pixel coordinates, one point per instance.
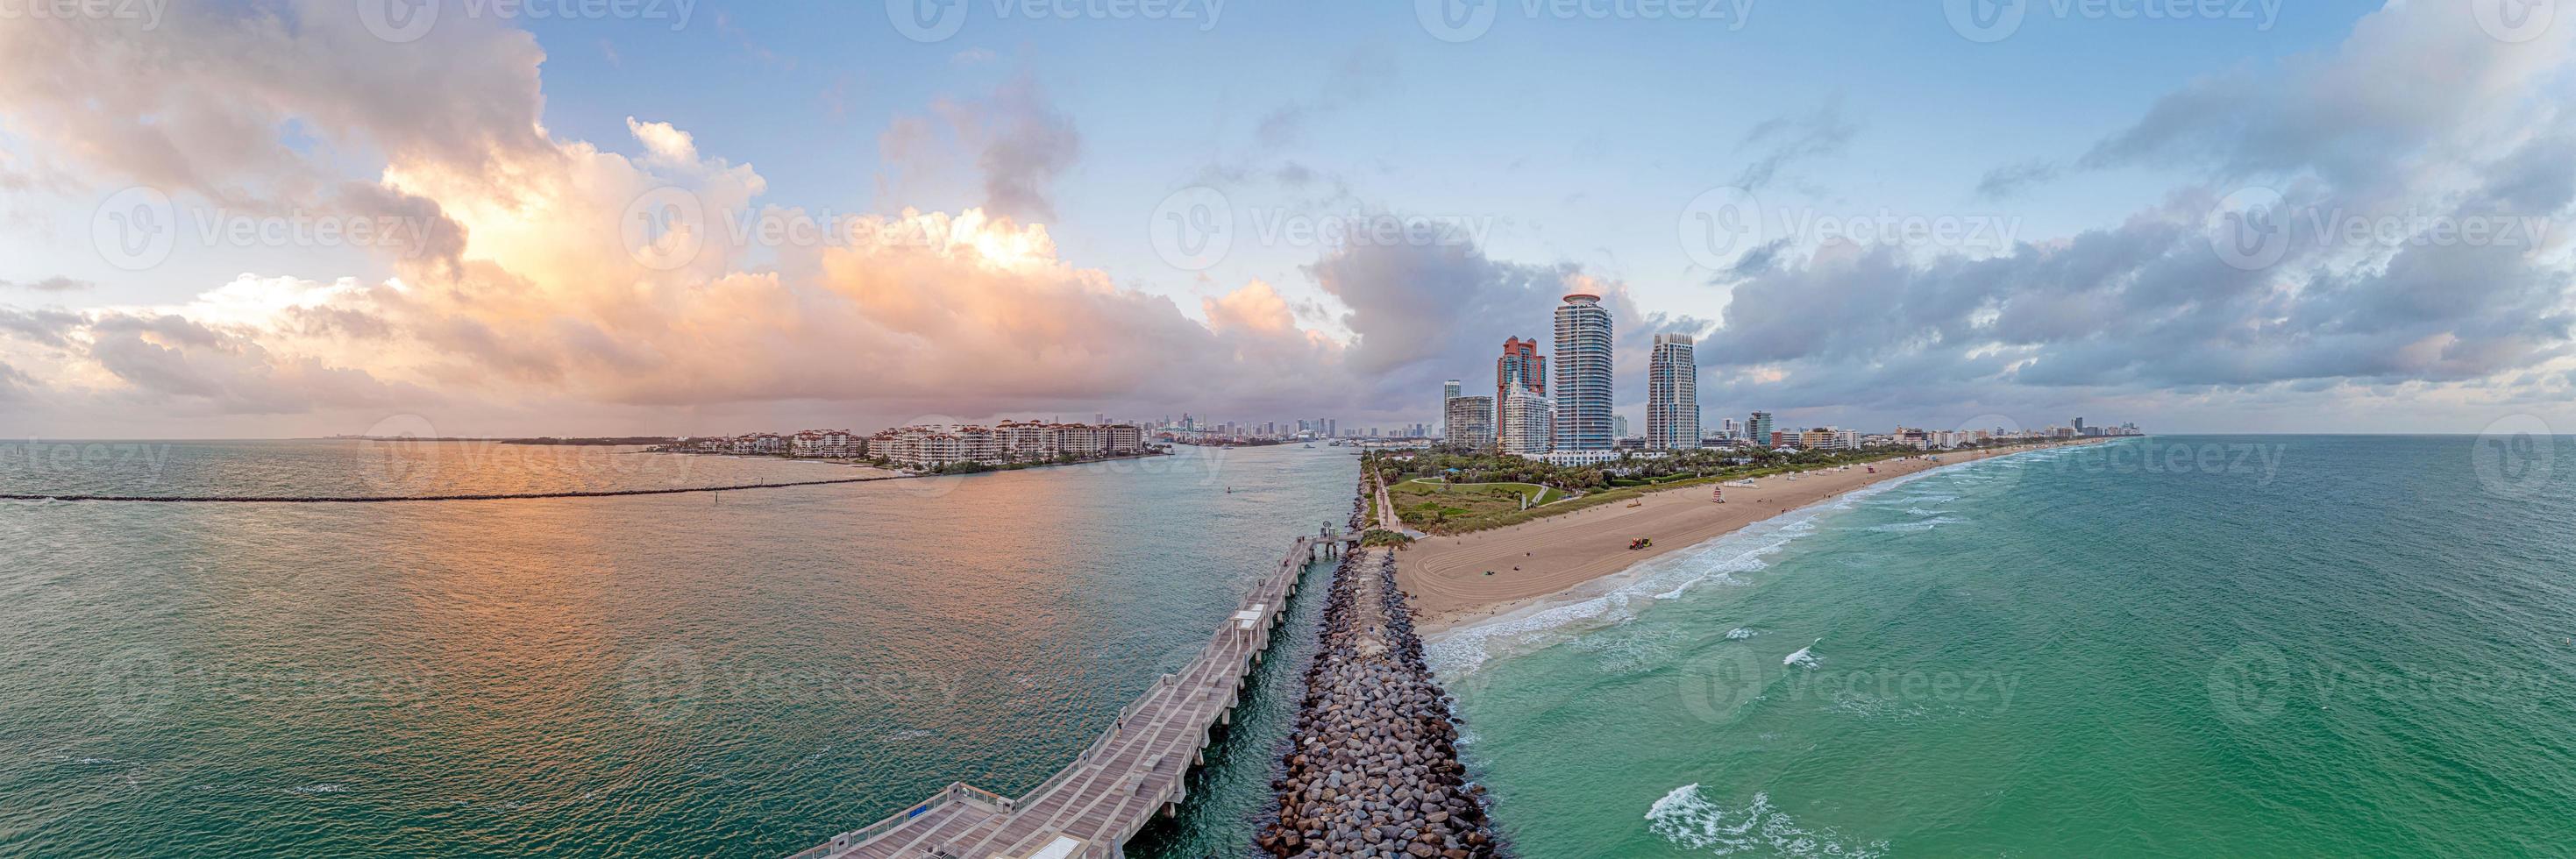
(1468, 422)
(1583, 374)
(1009, 442)
(1672, 394)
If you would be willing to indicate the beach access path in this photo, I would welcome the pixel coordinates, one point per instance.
(1542, 558)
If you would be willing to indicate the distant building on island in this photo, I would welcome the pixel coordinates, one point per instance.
(1583, 374)
(1468, 422)
(938, 446)
(1672, 394)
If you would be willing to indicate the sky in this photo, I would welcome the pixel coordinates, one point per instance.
(595, 217)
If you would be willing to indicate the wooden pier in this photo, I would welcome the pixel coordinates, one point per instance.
(1136, 769)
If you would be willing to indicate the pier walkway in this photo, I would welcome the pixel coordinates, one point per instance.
(1136, 769)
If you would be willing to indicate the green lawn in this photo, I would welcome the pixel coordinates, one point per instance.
(1437, 507)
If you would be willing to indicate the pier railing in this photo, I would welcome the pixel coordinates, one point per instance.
(1269, 593)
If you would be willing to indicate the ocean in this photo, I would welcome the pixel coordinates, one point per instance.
(2166, 646)
(739, 674)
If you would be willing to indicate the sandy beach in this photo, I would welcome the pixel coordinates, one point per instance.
(1542, 559)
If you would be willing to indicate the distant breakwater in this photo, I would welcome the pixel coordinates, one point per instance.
(388, 499)
(1372, 768)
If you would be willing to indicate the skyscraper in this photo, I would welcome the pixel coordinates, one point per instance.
(1520, 365)
(1582, 374)
(1449, 390)
(1758, 427)
(1523, 420)
(1672, 394)
(1468, 422)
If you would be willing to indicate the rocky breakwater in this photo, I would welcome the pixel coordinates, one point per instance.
(1372, 768)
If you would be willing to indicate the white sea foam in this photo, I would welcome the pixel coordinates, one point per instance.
(1460, 651)
(1923, 525)
(321, 788)
(1918, 511)
(1740, 633)
(1687, 818)
(1804, 658)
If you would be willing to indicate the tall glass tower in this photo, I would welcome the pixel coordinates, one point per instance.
(1672, 394)
(1582, 374)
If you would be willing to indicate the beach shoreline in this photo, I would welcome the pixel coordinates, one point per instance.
(1552, 561)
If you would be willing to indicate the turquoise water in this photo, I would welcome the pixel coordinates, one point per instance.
(664, 675)
(2180, 646)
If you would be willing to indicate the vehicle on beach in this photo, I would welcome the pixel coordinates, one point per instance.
(1641, 543)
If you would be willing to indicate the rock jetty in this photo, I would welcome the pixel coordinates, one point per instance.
(1372, 768)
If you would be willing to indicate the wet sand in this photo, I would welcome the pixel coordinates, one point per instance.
(1560, 554)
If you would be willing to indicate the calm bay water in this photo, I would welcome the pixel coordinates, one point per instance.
(663, 675)
(2181, 646)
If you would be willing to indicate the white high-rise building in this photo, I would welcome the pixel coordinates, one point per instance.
(1524, 421)
(1583, 382)
(1448, 391)
(1672, 394)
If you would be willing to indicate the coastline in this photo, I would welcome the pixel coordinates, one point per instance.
(1550, 562)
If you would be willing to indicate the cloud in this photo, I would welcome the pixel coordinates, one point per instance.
(1019, 140)
(2012, 179)
(51, 284)
(1793, 138)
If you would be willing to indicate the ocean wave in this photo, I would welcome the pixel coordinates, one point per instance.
(1805, 657)
(1687, 818)
(1741, 633)
(1923, 525)
(1918, 511)
(1463, 650)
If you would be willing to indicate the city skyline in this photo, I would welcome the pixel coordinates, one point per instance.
(2216, 223)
